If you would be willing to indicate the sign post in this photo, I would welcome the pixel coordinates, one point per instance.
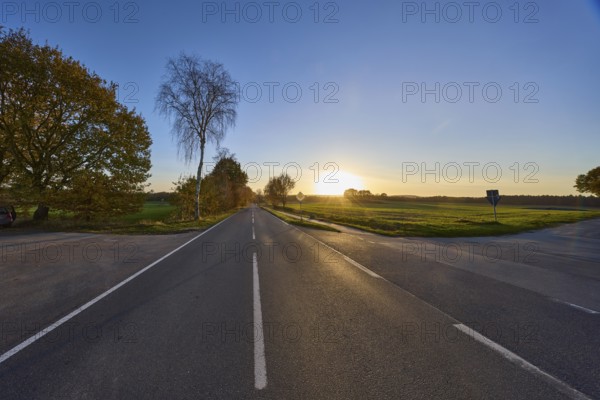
(493, 196)
(300, 197)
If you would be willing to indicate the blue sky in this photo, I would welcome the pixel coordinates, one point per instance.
(390, 89)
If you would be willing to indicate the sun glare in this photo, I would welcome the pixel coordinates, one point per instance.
(336, 184)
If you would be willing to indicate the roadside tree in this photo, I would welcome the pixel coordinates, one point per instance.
(278, 189)
(201, 98)
(589, 183)
(61, 124)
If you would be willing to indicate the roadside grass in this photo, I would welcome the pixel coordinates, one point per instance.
(155, 218)
(411, 218)
(295, 221)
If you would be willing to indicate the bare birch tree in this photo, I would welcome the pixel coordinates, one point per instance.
(200, 98)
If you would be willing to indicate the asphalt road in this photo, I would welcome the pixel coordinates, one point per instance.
(255, 308)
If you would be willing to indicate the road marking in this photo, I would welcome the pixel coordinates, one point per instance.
(358, 265)
(253, 233)
(580, 308)
(345, 257)
(526, 365)
(90, 303)
(260, 363)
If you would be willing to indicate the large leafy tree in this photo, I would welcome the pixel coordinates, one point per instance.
(230, 181)
(278, 189)
(222, 190)
(201, 98)
(589, 183)
(61, 125)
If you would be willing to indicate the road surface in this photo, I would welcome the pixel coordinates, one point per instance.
(256, 309)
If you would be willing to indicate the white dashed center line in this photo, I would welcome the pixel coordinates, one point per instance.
(260, 363)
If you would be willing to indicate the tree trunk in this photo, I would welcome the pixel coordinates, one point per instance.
(41, 213)
(198, 181)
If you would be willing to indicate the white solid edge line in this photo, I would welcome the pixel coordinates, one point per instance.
(360, 266)
(90, 303)
(526, 365)
(260, 364)
(345, 257)
(580, 308)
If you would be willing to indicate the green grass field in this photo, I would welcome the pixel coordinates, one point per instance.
(154, 218)
(413, 218)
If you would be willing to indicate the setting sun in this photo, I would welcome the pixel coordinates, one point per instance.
(335, 184)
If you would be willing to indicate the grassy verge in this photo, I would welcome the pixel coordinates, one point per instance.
(406, 218)
(295, 221)
(153, 219)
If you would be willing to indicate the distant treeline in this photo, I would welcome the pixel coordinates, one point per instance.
(159, 196)
(521, 200)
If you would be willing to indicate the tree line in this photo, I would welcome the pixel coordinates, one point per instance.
(362, 194)
(67, 143)
(521, 200)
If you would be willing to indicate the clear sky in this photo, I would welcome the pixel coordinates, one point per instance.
(422, 98)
